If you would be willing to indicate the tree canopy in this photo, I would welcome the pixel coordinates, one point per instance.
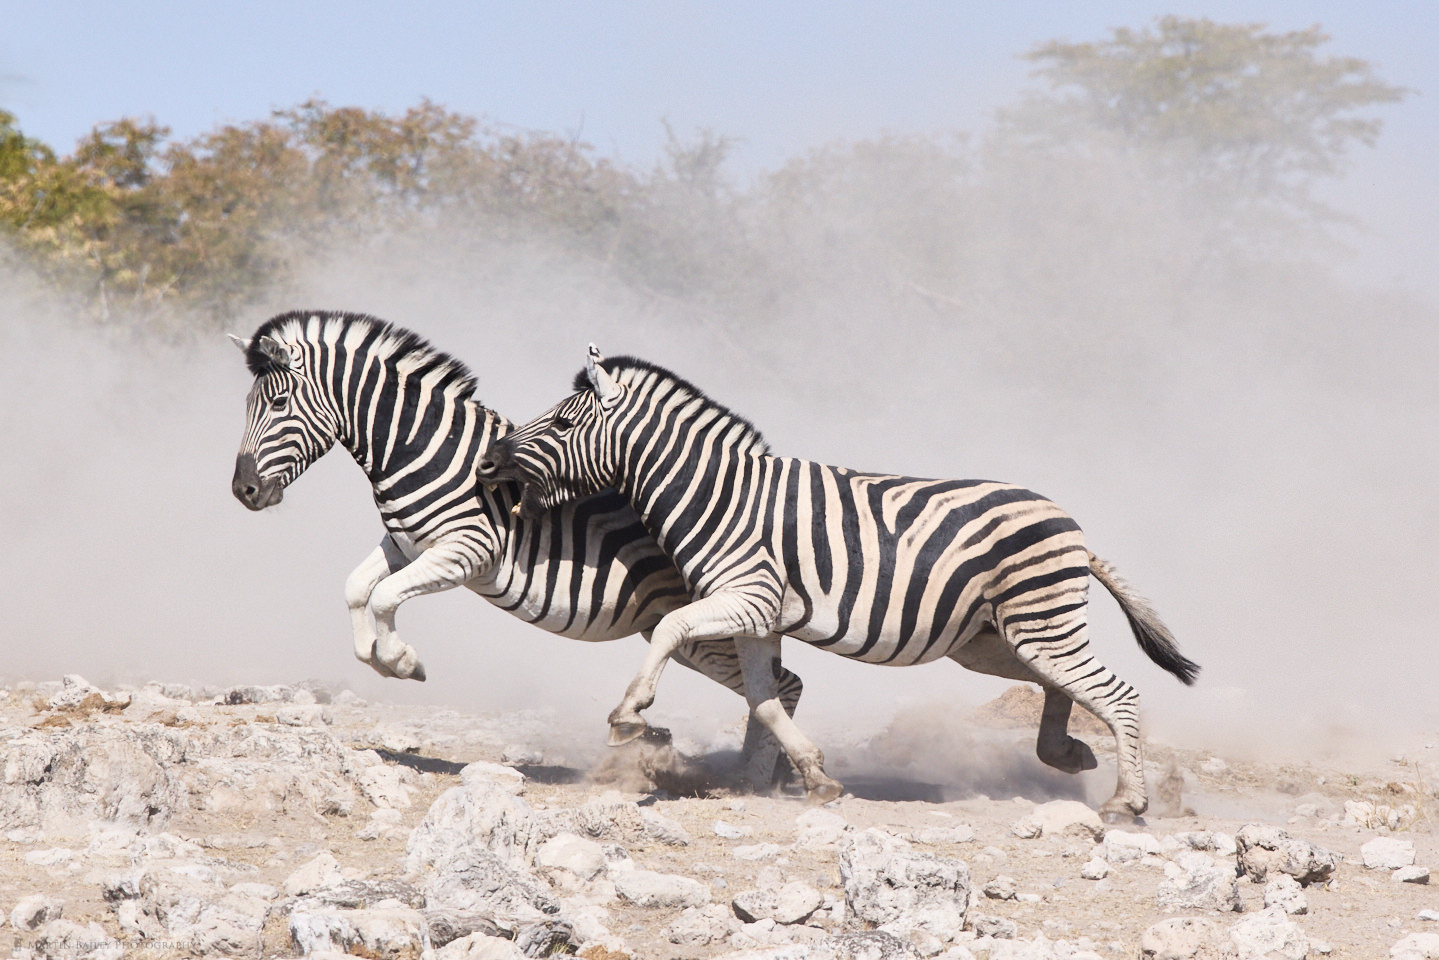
(147, 226)
(1233, 105)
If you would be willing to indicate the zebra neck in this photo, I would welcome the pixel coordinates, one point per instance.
(392, 426)
(690, 485)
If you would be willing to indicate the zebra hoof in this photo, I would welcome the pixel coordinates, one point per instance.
(418, 673)
(623, 732)
(1117, 812)
(825, 791)
(1074, 758)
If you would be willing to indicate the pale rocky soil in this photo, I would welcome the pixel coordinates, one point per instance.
(170, 821)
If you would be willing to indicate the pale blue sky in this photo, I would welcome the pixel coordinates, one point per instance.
(782, 76)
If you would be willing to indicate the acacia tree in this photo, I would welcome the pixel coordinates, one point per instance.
(1240, 111)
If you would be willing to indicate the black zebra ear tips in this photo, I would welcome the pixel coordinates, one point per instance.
(604, 385)
(277, 353)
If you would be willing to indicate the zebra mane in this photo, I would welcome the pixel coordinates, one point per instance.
(633, 370)
(395, 342)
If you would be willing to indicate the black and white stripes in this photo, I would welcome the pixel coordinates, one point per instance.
(885, 569)
(405, 412)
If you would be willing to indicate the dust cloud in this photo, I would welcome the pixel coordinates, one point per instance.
(1252, 441)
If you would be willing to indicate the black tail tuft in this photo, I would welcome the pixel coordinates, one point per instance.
(1153, 636)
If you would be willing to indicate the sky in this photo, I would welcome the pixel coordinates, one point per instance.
(783, 78)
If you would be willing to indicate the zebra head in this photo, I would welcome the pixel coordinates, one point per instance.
(565, 453)
(286, 430)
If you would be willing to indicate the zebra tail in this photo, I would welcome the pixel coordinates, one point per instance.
(1153, 636)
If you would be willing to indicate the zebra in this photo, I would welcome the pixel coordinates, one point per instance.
(880, 568)
(405, 412)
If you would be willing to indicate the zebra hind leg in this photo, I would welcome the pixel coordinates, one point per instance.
(986, 652)
(1056, 647)
(1055, 746)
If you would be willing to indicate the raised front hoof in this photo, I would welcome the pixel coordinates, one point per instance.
(1075, 757)
(1116, 811)
(379, 668)
(626, 731)
(824, 791)
(406, 667)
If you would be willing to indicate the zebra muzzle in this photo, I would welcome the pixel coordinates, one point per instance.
(251, 489)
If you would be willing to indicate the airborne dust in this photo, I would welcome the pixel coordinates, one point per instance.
(1251, 440)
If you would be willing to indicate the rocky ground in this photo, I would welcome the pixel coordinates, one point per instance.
(292, 820)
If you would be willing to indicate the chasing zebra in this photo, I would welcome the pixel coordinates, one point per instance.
(885, 569)
(405, 412)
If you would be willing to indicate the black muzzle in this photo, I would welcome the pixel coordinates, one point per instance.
(250, 488)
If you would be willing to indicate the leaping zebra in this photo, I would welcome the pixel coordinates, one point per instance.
(405, 412)
(885, 569)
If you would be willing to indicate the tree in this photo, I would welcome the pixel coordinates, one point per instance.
(1239, 110)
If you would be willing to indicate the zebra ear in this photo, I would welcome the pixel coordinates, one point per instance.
(605, 386)
(239, 342)
(277, 354)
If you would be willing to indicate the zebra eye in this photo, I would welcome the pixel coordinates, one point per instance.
(563, 423)
(280, 402)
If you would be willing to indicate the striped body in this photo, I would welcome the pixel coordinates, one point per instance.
(885, 569)
(405, 412)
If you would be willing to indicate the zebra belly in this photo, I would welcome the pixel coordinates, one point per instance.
(580, 602)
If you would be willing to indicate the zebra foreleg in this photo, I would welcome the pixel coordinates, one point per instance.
(759, 658)
(382, 561)
(443, 566)
(715, 617)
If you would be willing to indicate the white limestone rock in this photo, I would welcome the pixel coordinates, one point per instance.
(1068, 818)
(1094, 868)
(1285, 892)
(523, 756)
(791, 903)
(1410, 875)
(1372, 816)
(478, 946)
(1263, 848)
(646, 888)
(479, 815)
(664, 829)
(1184, 938)
(1001, 888)
(888, 883)
(1387, 853)
(728, 831)
(1193, 881)
(377, 932)
(64, 940)
(1122, 846)
(384, 822)
(1268, 935)
(1416, 946)
(506, 778)
(702, 926)
(566, 851)
(322, 871)
(36, 910)
(934, 836)
(304, 715)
